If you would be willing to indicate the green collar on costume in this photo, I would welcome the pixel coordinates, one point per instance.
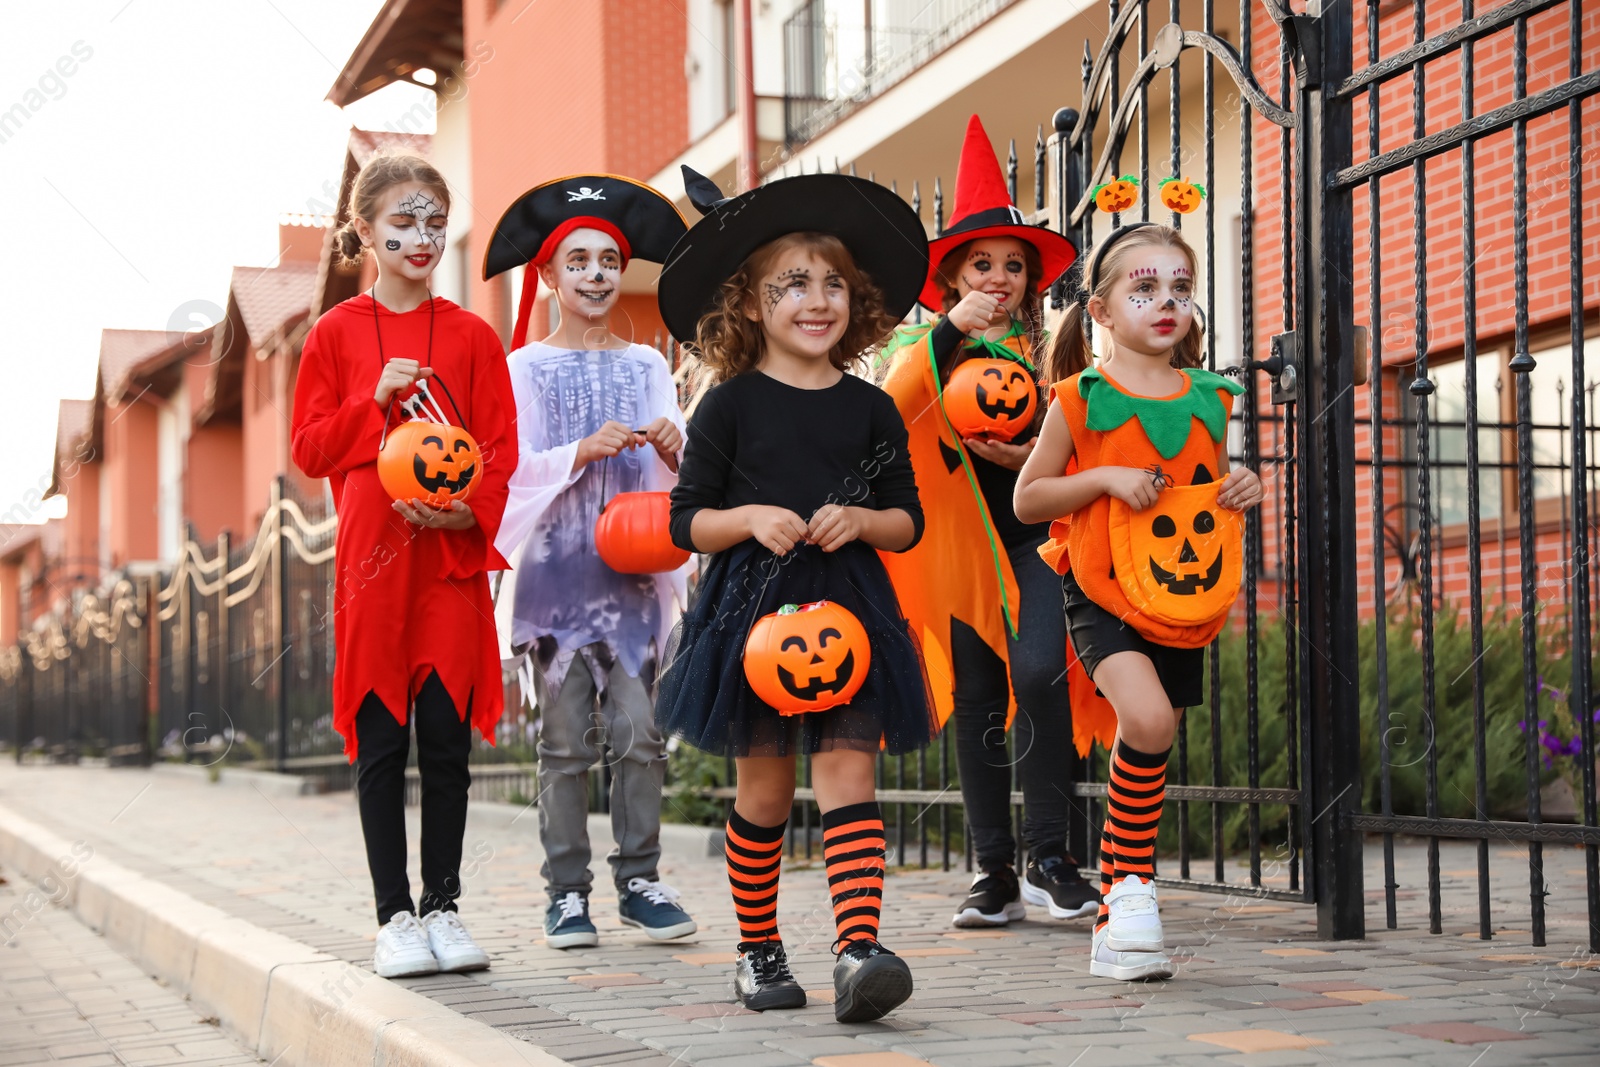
(1165, 422)
(999, 349)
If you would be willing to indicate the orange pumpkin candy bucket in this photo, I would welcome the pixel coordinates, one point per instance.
(807, 657)
(427, 458)
(632, 534)
(990, 398)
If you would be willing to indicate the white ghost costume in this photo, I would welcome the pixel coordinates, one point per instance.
(560, 598)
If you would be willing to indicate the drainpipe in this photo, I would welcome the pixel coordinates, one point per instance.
(749, 159)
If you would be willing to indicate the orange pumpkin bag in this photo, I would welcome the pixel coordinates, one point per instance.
(1178, 561)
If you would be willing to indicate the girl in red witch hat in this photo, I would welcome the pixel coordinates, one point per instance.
(413, 622)
(986, 608)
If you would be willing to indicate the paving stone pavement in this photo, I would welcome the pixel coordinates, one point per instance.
(1254, 986)
(67, 997)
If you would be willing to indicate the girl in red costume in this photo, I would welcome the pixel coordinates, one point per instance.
(413, 621)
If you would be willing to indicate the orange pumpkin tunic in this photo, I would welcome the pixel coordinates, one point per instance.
(959, 570)
(1185, 436)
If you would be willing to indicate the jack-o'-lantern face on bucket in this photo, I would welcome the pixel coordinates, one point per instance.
(1189, 545)
(807, 658)
(990, 397)
(429, 461)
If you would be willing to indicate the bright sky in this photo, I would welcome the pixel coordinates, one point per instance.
(166, 155)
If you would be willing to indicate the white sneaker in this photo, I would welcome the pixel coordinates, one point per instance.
(452, 946)
(402, 950)
(1107, 962)
(1135, 923)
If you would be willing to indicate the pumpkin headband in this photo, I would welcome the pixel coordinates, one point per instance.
(1091, 273)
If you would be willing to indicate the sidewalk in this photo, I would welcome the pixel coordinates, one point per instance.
(1255, 986)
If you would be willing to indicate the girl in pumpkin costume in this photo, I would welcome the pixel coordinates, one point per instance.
(985, 606)
(597, 416)
(1132, 463)
(793, 473)
(413, 621)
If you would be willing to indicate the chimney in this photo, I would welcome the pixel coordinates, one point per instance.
(301, 237)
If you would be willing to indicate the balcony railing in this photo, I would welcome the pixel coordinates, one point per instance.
(840, 53)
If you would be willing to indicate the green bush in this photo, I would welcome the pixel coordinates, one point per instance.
(1411, 739)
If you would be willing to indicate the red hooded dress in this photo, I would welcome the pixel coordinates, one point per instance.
(408, 600)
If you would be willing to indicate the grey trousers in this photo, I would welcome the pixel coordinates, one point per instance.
(578, 730)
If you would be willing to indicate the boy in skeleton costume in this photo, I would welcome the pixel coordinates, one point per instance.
(600, 417)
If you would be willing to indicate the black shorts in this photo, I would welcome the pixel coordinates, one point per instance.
(1096, 634)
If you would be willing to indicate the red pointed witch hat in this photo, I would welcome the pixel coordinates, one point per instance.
(983, 208)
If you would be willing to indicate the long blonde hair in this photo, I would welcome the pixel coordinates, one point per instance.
(731, 343)
(1069, 347)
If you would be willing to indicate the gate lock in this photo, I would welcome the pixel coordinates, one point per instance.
(1282, 365)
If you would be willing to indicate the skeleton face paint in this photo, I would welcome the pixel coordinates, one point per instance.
(408, 235)
(590, 279)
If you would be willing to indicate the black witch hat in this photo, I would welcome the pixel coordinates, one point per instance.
(881, 231)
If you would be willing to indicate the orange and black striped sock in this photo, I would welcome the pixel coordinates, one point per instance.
(1108, 866)
(853, 846)
(754, 855)
(1138, 785)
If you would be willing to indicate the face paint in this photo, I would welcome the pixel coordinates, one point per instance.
(424, 209)
(408, 234)
(591, 276)
(805, 306)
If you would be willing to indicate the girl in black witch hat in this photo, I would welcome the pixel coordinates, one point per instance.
(793, 473)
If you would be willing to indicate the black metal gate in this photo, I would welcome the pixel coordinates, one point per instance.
(1321, 363)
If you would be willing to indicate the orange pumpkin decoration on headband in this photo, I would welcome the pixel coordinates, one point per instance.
(808, 657)
(991, 398)
(1178, 561)
(1117, 195)
(430, 462)
(632, 534)
(1182, 196)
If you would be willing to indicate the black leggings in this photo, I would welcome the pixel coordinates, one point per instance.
(444, 741)
(1046, 760)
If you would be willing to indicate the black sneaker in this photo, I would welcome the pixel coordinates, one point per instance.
(993, 900)
(1054, 882)
(762, 980)
(869, 982)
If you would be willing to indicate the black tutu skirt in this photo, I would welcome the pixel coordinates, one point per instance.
(705, 699)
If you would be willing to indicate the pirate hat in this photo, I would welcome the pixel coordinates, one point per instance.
(644, 224)
(880, 230)
(983, 208)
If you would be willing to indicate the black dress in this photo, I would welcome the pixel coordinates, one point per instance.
(755, 440)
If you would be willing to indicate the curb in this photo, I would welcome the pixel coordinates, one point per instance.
(268, 782)
(290, 1004)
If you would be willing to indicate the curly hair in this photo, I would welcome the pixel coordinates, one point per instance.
(731, 343)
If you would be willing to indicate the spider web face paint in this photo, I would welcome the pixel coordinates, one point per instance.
(428, 216)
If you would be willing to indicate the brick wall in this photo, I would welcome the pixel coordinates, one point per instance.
(566, 88)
